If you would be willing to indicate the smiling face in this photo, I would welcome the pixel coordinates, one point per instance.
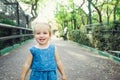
(42, 33)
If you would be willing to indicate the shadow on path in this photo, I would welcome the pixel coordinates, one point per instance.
(79, 63)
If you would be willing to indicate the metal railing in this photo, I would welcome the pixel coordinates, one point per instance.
(10, 35)
(109, 37)
(11, 10)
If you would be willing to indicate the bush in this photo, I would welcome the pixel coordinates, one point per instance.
(8, 21)
(106, 38)
(79, 37)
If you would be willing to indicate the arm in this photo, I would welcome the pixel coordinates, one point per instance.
(26, 67)
(60, 67)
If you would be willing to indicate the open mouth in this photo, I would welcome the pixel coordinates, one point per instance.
(41, 40)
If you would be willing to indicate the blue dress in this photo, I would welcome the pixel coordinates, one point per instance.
(43, 65)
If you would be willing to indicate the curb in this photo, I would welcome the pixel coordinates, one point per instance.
(7, 49)
(105, 54)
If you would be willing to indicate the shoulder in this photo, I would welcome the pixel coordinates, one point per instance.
(53, 46)
(32, 49)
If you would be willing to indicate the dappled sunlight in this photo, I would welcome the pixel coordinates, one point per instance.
(84, 35)
(98, 56)
(77, 55)
(83, 56)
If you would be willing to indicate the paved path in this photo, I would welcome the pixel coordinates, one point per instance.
(79, 63)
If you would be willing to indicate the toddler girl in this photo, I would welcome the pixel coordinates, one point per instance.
(43, 59)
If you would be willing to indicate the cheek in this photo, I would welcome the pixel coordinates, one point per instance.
(47, 36)
(36, 36)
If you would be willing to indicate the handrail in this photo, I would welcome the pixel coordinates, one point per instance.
(10, 35)
(115, 31)
(14, 36)
(115, 53)
(13, 27)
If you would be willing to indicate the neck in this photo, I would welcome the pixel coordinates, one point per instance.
(42, 45)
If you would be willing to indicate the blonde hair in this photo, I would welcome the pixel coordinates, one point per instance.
(41, 24)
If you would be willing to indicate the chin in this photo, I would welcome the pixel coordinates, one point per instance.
(42, 43)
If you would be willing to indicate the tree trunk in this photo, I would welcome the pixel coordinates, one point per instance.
(98, 11)
(116, 4)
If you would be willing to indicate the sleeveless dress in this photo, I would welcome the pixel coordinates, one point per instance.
(43, 65)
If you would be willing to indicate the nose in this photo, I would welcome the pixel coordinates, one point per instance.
(41, 35)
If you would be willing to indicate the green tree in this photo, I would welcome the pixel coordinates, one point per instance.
(104, 9)
(35, 6)
(73, 15)
(117, 9)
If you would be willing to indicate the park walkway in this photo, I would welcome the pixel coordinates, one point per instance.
(79, 63)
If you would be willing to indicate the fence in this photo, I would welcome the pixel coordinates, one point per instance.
(11, 11)
(10, 35)
(106, 37)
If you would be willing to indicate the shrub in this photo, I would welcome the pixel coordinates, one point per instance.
(106, 38)
(79, 37)
(8, 21)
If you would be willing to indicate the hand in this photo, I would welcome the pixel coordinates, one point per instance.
(22, 78)
(64, 77)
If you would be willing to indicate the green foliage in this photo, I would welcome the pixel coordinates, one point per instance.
(36, 5)
(31, 1)
(74, 15)
(79, 37)
(106, 37)
(118, 11)
(26, 1)
(7, 21)
(62, 15)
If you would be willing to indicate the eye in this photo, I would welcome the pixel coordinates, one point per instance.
(38, 33)
(45, 33)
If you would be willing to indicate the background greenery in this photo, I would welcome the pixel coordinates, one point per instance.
(99, 29)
